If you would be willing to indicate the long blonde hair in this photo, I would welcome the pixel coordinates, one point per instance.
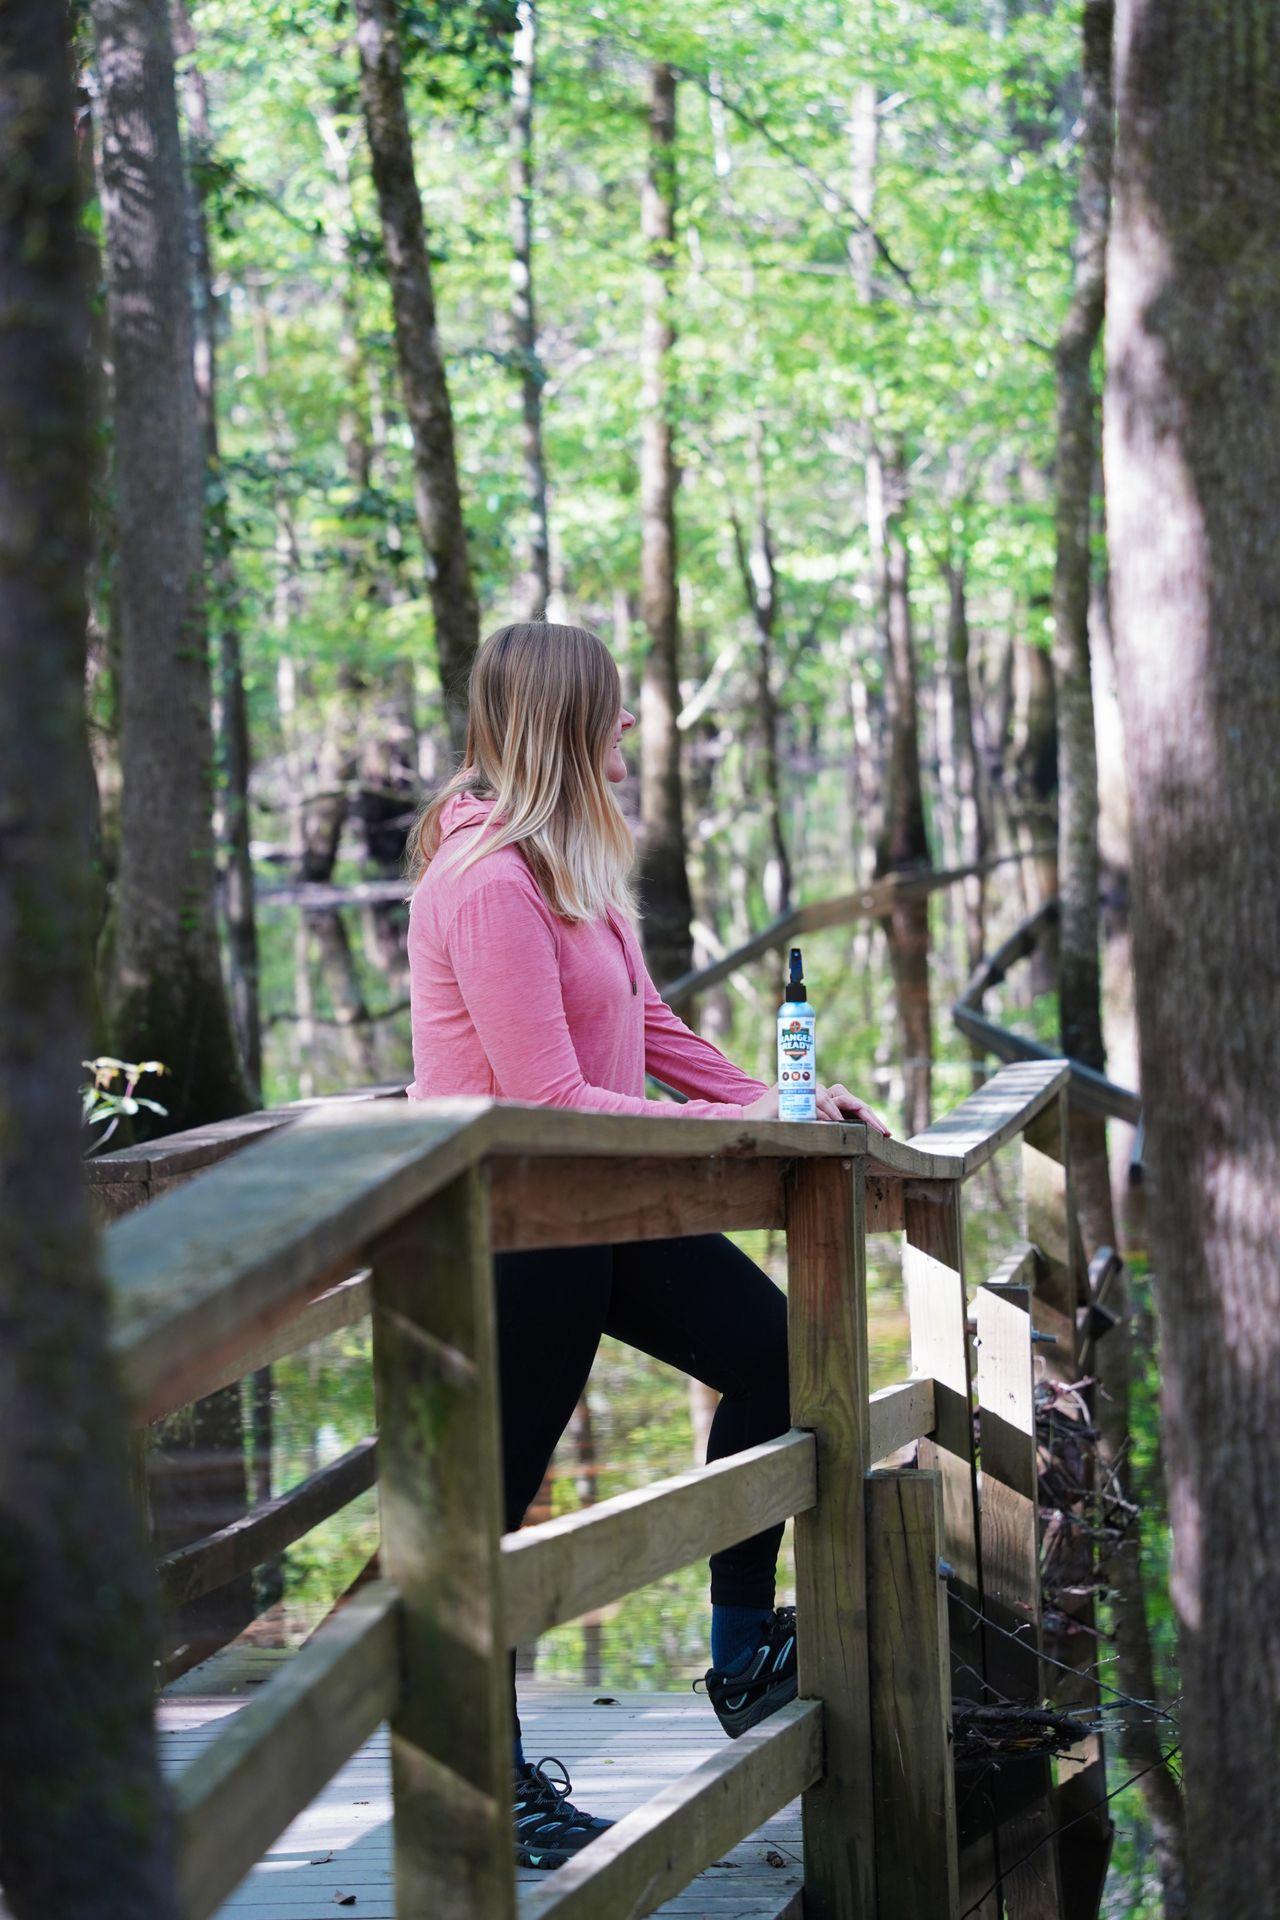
(543, 703)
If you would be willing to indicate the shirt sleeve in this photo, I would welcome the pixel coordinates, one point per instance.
(501, 944)
(684, 1060)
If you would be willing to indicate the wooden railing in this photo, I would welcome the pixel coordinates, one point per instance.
(396, 1208)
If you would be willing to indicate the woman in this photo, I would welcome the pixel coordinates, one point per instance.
(528, 984)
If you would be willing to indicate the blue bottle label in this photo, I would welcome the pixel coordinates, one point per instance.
(797, 1064)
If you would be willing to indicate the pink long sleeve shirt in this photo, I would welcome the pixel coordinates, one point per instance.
(509, 1001)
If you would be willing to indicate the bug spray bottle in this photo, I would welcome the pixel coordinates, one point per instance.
(797, 1048)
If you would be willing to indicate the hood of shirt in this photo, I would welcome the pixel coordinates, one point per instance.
(464, 810)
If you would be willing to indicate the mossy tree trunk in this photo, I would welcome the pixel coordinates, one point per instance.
(665, 898)
(83, 1821)
(167, 998)
(1192, 453)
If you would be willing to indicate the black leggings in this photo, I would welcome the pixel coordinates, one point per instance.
(697, 1303)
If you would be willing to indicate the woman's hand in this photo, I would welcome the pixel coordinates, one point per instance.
(837, 1103)
(765, 1108)
(834, 1103)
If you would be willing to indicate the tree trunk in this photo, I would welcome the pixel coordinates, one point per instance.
(904, 845)
(760, 584)
(168, 1001)
(666, 903)
(535, 584)
(437, 493)
(1192, 448)
(973, 824)
(346, 996)
(83, 1818)
(384, 722)
(1078, 872)
(1034, 818)
(230, 706)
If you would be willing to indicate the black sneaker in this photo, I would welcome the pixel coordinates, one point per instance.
(766, 1683)
(549, 1829)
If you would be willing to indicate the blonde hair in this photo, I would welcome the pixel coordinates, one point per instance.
(543, 703)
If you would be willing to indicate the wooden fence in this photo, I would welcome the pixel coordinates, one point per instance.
(396, 1208)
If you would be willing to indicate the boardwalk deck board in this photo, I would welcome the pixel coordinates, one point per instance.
(617, 1756)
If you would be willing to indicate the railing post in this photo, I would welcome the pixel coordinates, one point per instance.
(1062, 1288)
(933, 1279)
(435, 1375)
(917, 1868)
(1011, 1583)
(827, 1318)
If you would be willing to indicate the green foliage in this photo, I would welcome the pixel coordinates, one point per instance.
(111, 1096)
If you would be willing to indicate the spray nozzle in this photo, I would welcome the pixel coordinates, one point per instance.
(795, 975)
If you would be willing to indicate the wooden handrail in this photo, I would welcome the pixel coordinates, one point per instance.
(208, 1271)
(265, 1531)
(211, 1271)
(994, 1115)
(565, 1567)
(259, 1252)
(651, 1853)
(276, 1753)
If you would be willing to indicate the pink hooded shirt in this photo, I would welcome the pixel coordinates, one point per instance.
(509, 1001)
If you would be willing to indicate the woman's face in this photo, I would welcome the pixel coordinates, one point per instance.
(615, 767)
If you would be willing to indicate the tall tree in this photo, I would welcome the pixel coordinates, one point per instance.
(1079, 971)
(664, 878)
(231, 707)
(167, 997)
(973, 821)
(436, 489)
(83, 1825)
(903, 845)
(535, 584)
(1192, 454)
(1077, 603)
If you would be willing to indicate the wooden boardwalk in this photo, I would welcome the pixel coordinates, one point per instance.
(336, 1857)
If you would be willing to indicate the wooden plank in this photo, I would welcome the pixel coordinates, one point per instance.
(258, 1536)
(651, 1853)
(198, 1147)
(202, 1276)
(1019, 1268)
(578, 1201)
(898, 1415)
(435, 1380)
(934, 1282)
(344, 1304)
(1051, 1226)
(204, 1273)
(883, 1203)
(975, 1130)
(111, 1199)
(1090, 1091)
(562, 1568)
(827, 1320)
(933, 1279)
(279, 1750)
(1011, 1583)
(917, 1868)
